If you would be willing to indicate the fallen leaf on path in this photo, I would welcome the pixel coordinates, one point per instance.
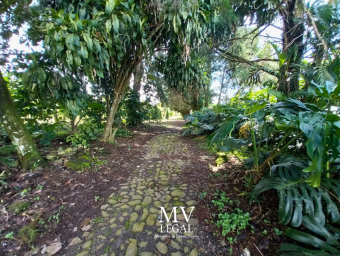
(53, 248)
(70, 195)
(68, 182)
(15, 185)
(43, 250)
(85, 222)
(75, 241)
(86, 228)
(29, 175)
(32, 252)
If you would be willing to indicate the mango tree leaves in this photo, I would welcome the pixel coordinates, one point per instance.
(115, 23)
(110, 5)
(69, 41)
(88, 41)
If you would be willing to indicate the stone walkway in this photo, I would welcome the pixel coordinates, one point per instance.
(130, 224)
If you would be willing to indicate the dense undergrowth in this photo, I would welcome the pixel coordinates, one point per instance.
(290, 145)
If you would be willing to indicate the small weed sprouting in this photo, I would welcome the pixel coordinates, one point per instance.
(248, 182)
(278, 232)
(221, 201)
(98, 220)
(236, 221)
(203, 194)
(40, 187)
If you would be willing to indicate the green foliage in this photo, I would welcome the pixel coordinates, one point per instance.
(85, 133)
(220, 202)
(153, 113)
(133, 107)
(235, 221)
(8, 150)
(308, 187)
(325, 239)
(204, 121)
(47, 138)
(135, 112)
(123, 133)
(9, 161)
(297, 198)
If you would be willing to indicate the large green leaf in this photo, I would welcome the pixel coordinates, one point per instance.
(115, 23)
(231, 144)
(298, 198)
(70, 42)
(224, 131)
(88, 41)
(311, 240)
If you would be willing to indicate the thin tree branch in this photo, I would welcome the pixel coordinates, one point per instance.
(316, 30)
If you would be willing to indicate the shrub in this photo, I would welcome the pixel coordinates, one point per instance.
(85, 133)
(203, 122)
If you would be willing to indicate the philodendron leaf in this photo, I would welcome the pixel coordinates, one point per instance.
(311, 240)
(293, 250)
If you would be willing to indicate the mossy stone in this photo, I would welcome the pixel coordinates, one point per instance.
(78, 164)
(18, 207)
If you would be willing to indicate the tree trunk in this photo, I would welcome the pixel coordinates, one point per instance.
(195, 101)
(207, 90)
(293, 46)
(138, 75)
(118, 94)
(220, 95)
(207, 96)
(28, 153)
(73, 124)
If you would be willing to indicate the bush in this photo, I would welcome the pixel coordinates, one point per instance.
(135, 112)
(203, 122)
(123, 133)
(134, 108)
(85, 133)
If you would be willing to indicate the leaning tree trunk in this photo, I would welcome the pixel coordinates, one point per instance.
(293, 46)
(28, 153)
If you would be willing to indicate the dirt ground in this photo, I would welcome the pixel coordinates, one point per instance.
(68, 207)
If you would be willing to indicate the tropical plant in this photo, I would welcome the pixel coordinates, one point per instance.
(110, 38)
(86, 132)
(204, 121)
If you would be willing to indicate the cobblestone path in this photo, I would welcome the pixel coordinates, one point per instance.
(130, 224)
